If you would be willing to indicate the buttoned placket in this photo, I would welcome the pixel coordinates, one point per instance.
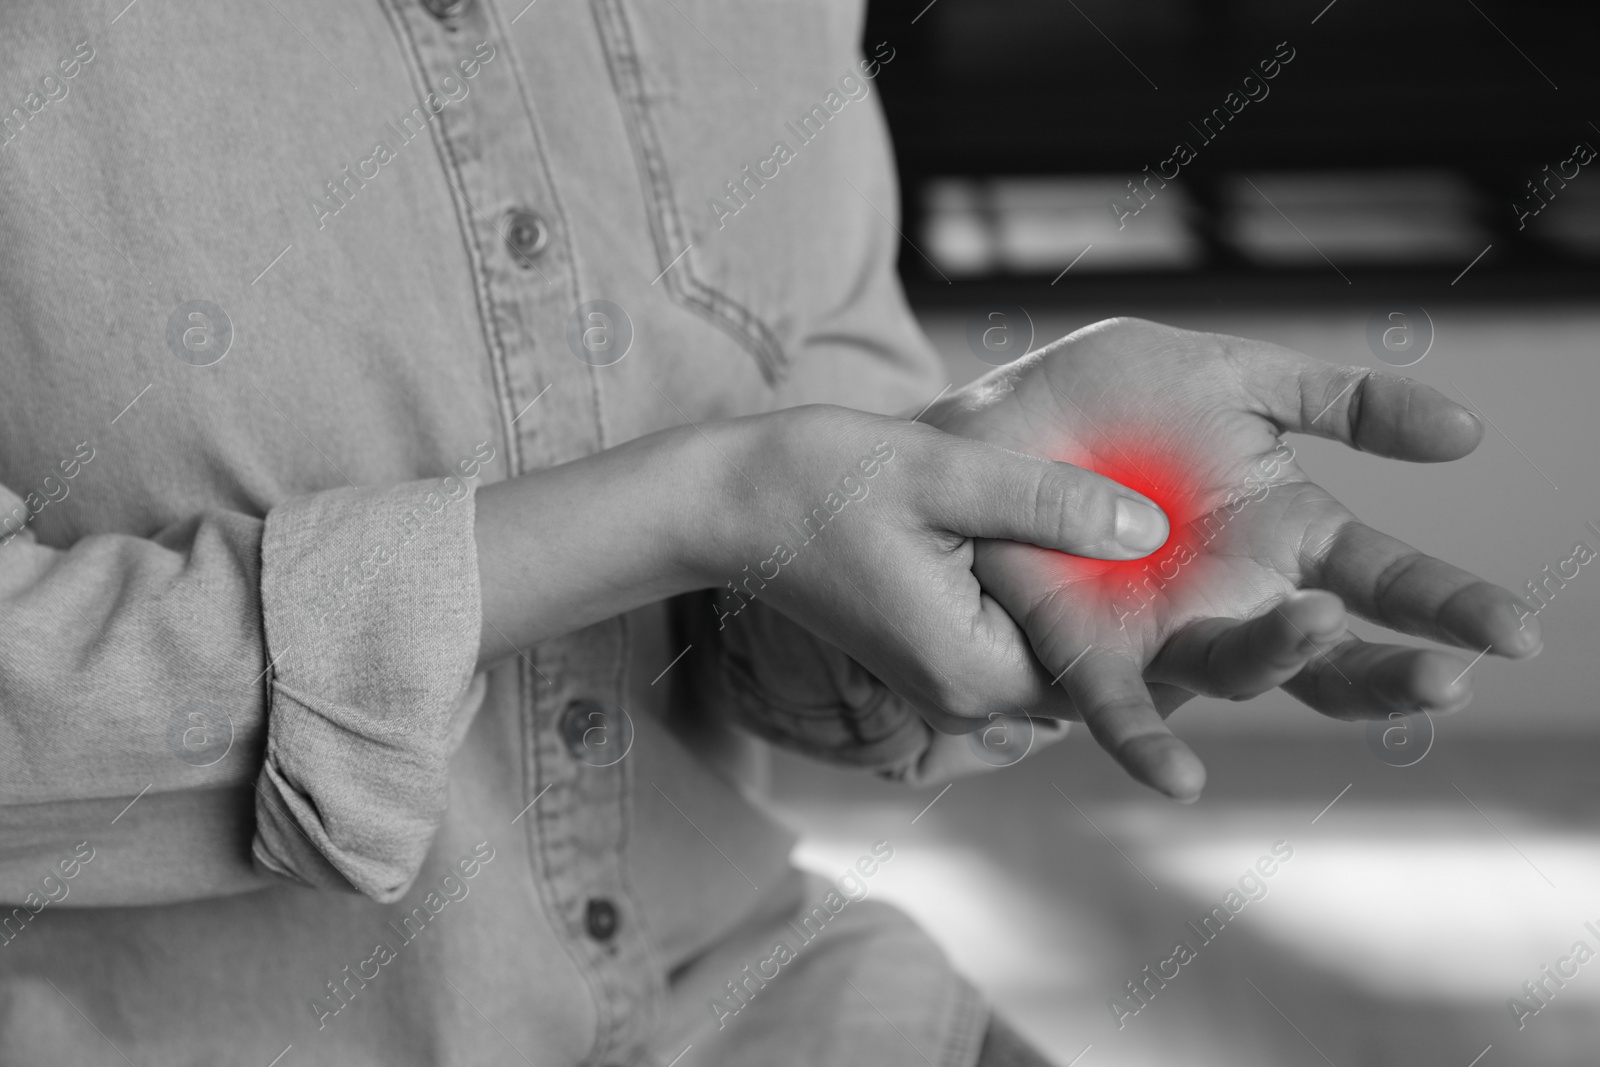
(522, 260)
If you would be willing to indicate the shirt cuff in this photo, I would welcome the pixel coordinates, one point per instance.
(372, 615)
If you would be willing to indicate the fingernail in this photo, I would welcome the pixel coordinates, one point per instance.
(1451, 701)
(1321, 641)
(1522, 645)
(1140, 527)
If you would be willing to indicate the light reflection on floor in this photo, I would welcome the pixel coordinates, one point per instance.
(1394, 935)
(1454, 915)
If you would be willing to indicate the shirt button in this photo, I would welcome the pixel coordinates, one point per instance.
(600, 919)
(526, 236)
(447, 9)
(595, 733)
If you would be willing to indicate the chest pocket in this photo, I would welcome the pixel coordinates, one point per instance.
(710, 89)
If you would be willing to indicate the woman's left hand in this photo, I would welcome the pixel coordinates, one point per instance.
(1193, 421)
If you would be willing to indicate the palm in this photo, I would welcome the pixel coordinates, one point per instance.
(1241, 509)
(1193, 421)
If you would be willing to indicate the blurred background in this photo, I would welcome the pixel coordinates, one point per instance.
(1414, 186)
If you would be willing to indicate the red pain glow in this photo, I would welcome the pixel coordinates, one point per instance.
(1201, 491)
(1180, 491)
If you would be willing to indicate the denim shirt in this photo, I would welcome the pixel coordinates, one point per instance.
(281, 284)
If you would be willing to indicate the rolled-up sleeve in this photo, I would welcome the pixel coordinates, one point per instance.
(238, 699)
(370, 603)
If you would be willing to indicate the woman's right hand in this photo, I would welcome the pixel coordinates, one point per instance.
(860, 528)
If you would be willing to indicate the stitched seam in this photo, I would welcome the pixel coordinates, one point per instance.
(666, 224)
(539, 852)
(537, 843)
(655, 991)
(596, 388)
(475, 257)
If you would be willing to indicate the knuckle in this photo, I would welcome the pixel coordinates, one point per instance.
(1233, 353)
(1392, 577)
(965, 705)
(1065, 505)
(934, 460)
(951, 698)
(1359, 378)
(1126, 322)
(972, 683)
(1338, 401)
(1314, 553)
(930, 493)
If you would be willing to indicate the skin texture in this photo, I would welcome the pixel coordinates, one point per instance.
(890, 580)
(894, 578)
(889, 577)
(1196, 420)
(1216, 657)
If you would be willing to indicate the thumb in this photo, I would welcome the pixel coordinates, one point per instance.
(988, 491)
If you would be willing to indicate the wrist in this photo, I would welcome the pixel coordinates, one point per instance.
(713, 531)
(567, 546)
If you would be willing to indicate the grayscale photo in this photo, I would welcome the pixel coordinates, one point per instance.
(799, 533)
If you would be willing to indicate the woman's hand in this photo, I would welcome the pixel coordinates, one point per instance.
(859, 527)
(1193, 421)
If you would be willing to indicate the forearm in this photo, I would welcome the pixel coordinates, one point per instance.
(564, 547)
(177, 685)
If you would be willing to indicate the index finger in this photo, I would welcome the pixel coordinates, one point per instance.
(1384, 414)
